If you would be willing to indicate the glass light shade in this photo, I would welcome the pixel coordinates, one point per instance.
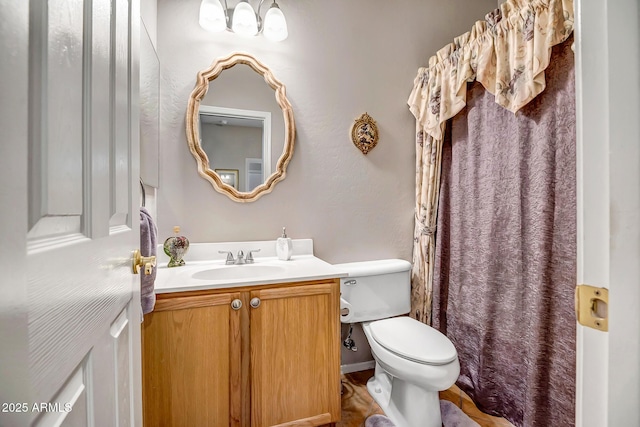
(244, 20)
(275, 26)
(212, 16)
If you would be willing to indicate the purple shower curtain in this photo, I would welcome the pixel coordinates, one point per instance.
(505, 266)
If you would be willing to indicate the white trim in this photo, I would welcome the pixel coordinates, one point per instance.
(592, 199)
(608, 162)
(592, 214)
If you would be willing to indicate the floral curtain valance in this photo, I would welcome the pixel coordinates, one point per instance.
(507, 53)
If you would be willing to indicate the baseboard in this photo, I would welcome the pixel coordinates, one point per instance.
(356, 367)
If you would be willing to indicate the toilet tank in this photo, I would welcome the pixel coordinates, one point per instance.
(376, 289)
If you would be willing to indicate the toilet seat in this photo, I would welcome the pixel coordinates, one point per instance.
(413, 340)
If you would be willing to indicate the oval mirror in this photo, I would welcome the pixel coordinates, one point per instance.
(240, 130)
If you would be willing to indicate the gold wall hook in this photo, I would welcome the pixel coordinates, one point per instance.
(149, 262)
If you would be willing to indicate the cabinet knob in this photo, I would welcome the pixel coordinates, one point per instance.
(236, 304)
(255, 302)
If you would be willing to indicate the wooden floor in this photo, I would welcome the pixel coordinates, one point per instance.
(357, 404)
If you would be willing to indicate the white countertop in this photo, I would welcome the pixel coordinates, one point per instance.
(205, 268)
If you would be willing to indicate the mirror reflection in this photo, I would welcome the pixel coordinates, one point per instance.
(240, 127)
(237, 140)
(239, 121)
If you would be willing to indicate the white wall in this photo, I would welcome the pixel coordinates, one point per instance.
(341, 59)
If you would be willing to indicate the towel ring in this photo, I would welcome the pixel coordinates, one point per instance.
(144, 194)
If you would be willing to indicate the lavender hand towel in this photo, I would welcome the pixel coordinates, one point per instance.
(148, 237)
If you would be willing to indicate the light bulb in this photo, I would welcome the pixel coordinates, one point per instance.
(275, 26)
(244, 20)
(212, 16)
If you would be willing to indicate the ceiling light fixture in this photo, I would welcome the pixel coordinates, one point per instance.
(243, 19)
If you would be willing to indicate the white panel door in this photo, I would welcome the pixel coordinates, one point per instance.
(78, 219)
(607, 42)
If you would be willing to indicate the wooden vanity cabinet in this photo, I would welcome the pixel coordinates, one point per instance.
(273, 362)
(295, 355)
(188, 348)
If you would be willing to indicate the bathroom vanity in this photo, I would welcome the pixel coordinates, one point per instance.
(243, 345)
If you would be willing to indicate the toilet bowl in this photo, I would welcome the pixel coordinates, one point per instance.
(405, 387)
(413, 361)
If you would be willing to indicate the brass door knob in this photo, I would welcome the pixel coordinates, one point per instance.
(138, 261)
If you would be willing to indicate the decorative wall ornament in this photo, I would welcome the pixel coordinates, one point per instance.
(364, 133)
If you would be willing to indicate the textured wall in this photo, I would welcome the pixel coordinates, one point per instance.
(341, 59)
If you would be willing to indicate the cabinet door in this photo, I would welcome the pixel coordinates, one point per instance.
(295, 355)
(191, 371)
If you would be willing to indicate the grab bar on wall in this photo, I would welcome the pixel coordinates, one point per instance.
(144, 194)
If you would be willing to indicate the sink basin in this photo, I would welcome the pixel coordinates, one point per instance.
(231, 272)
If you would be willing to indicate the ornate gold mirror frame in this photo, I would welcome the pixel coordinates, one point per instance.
(193, 118)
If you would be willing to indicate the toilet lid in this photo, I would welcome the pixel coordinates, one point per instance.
(413, 340)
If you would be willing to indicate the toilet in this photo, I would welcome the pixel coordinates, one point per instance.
(413, 361)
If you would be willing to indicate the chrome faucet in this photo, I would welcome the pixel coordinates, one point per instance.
(240, 257)
(250, 259)
(230, 260)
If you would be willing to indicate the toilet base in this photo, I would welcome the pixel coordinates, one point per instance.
(406, 404)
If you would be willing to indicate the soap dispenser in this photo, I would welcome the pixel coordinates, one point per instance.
(284, 246)
(176, 247)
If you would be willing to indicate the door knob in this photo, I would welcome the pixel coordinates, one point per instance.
(138, 261)
(255, 302)
(236, 304)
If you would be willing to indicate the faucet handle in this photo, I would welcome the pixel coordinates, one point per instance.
(250, 255)
(230, 259)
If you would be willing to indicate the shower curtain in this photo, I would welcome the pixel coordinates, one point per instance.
(508, 53)
(505, 256)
